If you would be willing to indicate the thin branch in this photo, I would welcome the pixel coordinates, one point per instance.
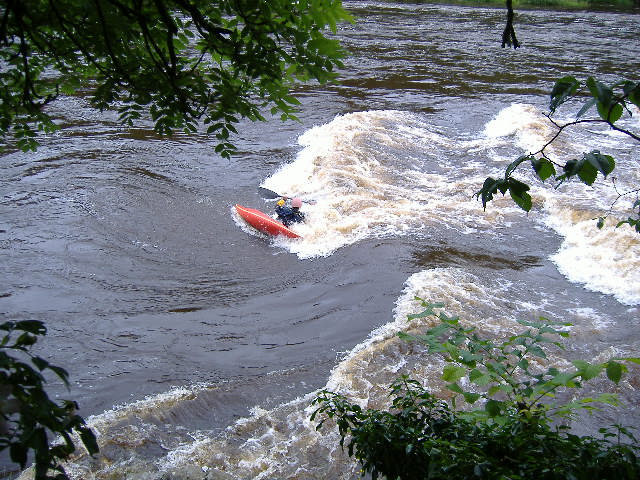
(509, 33)
(171, 31)
(5, 20)
(203, 25)
(620, 195)
(577, 122)
(73, 39)
(107, 41)
(626, 132)
(151, 45)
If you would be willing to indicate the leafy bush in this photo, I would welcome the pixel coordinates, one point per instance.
(514, 434)
(27, 416)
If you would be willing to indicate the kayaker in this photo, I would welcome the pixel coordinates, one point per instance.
(289, 214)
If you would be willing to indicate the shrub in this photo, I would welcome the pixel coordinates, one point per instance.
(28, 417)
(513, 435)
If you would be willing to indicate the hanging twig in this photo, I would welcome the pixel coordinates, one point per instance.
(509, 34)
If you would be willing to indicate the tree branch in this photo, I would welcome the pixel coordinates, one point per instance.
(577, 122)
(5, 20)
(107, 41)
(72, 37)
(509, 34)
(171, 31)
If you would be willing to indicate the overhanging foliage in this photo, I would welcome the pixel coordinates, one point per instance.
(610, 102)
(185, 63)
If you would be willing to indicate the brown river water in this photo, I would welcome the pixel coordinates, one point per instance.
(194, 344)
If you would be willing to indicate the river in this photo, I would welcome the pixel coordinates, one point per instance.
(194, 344)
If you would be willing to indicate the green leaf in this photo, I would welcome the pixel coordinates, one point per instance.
(468, 359)
(615, 113)
(614, 371)
(610, 112)
(493, 407)
(89, 440)
(427, 312)
(600, 92)
(523, 364)
(33, 326)
(565, 379)
(489, 188)
(586, 107)
(632, 92)
(452, 373)
(61, 373)
(471, 398)
(634, 97)
(586, 370)
(587, 172)
(26, 340)
(609, 109)
(454, 387)
(543, 168)
(18, 454)
(588, 167)
(517, 190)
(562, 90)
(519, 194)
(513, 165)
(40, 363)
(605, 164)
(608, 398)
(493, 390)
(479, 378)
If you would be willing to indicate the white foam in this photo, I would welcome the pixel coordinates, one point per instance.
(606, 260)
(283, 442)
(376, 174)
(524, 122)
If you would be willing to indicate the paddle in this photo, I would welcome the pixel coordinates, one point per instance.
(270, 194)
(266, 193)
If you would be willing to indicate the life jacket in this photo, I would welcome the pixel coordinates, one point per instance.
(288, 215)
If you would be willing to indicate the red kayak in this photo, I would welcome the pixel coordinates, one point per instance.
(264, 223)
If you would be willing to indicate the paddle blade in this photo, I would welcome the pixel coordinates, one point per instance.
(270, 194)
(266, 193)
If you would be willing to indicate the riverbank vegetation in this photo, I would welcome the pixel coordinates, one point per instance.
(502, 414)
(185, 65)
(29, 420)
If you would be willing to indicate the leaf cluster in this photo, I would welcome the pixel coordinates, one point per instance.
(512, 434)
(183, 63)
(510, 374)
(420, 437)
(28, 417)
(610, 102)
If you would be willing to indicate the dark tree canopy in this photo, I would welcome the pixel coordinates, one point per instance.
(186, 63)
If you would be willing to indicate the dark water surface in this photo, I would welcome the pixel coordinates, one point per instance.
(125, 245)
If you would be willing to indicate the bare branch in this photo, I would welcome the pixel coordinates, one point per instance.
(509, 33)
